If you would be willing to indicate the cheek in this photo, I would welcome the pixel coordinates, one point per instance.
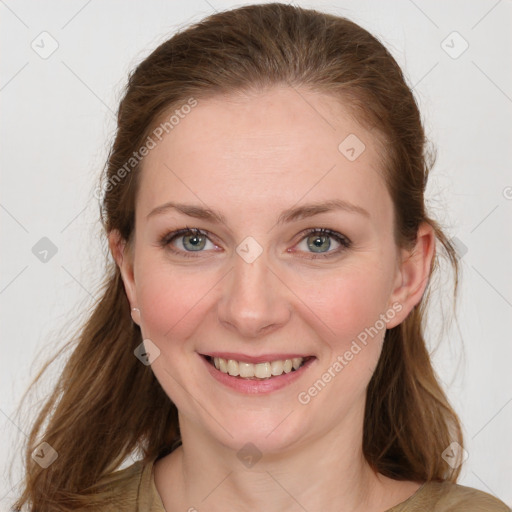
(347, 302)
(344, 311)
(171, 300)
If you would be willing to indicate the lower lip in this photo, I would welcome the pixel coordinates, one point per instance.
(252, 387)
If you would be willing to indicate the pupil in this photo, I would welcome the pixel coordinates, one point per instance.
(320, 240)
(195, 240)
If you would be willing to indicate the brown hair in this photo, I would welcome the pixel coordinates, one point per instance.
(105, 397)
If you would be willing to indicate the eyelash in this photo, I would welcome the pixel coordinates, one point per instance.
(165, 240)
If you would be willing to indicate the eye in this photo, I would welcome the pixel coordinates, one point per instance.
(319, 239)
(317, 242)
(193, 240)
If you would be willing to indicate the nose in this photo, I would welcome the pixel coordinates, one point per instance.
(254, 299)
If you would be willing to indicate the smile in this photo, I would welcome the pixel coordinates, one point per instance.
(263, 370)
(254, 378)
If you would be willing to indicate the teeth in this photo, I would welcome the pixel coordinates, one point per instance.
(264, 370)
(233, 368)
(276, 367)
(246, 369)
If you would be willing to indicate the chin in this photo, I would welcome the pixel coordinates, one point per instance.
(270, 435)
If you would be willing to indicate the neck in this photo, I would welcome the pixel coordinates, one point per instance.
(327, 473)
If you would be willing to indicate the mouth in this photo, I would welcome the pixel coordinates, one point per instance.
(262, 371)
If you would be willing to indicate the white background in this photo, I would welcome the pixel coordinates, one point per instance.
(58, 121)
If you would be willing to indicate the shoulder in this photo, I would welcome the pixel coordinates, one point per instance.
(450, 497)
(126, 490)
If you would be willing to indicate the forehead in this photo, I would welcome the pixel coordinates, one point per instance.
(265, 151)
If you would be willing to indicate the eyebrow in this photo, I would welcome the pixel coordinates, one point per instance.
(287, 216)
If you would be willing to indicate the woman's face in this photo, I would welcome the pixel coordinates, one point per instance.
(257, 286)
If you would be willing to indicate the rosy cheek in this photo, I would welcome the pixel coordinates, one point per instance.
(170, 303)
(349, 312)
(352, 298)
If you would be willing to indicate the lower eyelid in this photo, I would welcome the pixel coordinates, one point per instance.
(344, 244)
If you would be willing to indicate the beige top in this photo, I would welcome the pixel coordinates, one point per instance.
(133, 489)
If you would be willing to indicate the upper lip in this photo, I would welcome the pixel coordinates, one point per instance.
(255, 359)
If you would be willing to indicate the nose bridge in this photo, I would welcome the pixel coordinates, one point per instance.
(253, 299)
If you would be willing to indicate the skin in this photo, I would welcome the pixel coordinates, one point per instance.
(251, 157)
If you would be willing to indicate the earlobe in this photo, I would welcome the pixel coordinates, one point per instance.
(135, 312)
(414, 273)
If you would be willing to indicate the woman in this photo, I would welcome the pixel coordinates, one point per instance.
(259, 340)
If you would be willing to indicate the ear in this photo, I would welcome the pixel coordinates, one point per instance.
(122, 254)
(413, 274)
